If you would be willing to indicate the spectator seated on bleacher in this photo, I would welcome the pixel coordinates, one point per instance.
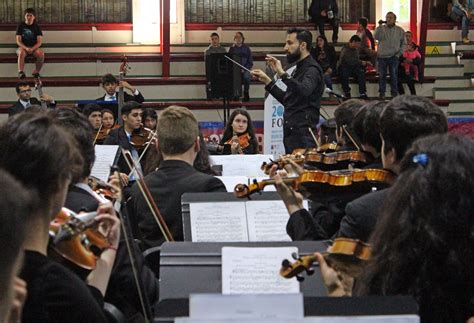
(350, 64)
(461, 11)
(29, 38)
(325, 55)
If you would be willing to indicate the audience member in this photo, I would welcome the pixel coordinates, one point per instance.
(403, 76)
(367, 48)
(391, 43)
(215, 47)
(350, 64)
(29, 39)
(241, 49)
(325, 11)
(461, 11)
(325, 55)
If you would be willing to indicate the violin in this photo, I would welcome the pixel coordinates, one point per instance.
(337, 159)
(347, 255)
(243, 140)
(297, 157)
(141, 138)
(328, 147)
(102, 188)
(321, 183)
(75, 238)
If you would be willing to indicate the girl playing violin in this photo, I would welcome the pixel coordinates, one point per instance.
(108, 120)
(422, 245)
(149, 118)
(239, 136)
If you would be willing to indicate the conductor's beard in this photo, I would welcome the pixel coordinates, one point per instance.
(293, 57)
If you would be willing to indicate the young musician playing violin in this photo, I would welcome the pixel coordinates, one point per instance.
(150, 118)
(404, 119)
(81, 197)
(178, 143)
(422, 245)
(15, 205)
(132, 122)
(55, 294)
(239, 136)
(344, 114)
(93, 113)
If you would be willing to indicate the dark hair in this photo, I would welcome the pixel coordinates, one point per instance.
(39, 153)
(242, 35)
(149, 113)
(30, 10)
(391, 13)
(228, 131)
(108, 78)
(81, 129)
(327, 131)
(423, 242)
(216, 34)
(407, 118)
(20, 84)
(15, 205)
(303, 35)
(366, 124)
(129, 106)
(355, 38)
(91, 108)
(344, 114)
(363, 21)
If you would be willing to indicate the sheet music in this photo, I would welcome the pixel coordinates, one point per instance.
(320, 319)
(104, 159)
(256, 271)
(218, 221)
(267, 221)
(241, 165)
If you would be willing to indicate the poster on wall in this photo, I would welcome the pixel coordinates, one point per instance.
(273, 122)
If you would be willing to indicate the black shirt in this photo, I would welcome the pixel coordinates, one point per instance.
(55, 294)
(302, 98)
(29, 33)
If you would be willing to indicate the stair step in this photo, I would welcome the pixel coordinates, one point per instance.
(454, 94)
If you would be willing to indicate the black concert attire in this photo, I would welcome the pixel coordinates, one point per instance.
(172, 179)
(20, 106)
(121, 290)
(252, 149)
(357, 222)
(332, 16)
(302, 101)
(55, 294)
(137, 97)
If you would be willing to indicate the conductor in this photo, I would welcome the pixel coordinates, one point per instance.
(305, 87)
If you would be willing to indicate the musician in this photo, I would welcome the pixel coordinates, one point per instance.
(422, 243)
(404, 119)
(80, 197)
(25, 101)
(55, 294)
(132, 121)
(305, 86)
(149, 118)
(15, 205)
(366, 127)
(343, 115)
(178, 142)
(93, 113)
(29, 39)
(239, 126)
(110, 84)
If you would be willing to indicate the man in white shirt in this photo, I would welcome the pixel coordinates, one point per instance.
(110, 84)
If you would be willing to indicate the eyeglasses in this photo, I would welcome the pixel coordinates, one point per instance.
(25, 91)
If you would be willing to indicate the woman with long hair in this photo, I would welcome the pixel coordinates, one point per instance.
(239, 136)
(325, 55)
(423, 243)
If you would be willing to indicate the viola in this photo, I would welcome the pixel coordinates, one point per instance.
(347, 255)
(321, 183)
(75, 238)
(141, 138)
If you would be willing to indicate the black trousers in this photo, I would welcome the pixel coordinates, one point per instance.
(297, 137)
(320, 21)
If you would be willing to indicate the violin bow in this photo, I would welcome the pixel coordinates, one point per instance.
(127, 233)
(344, 128)
(153, 134)
(318, 144)
(149, 198)
(97, 134)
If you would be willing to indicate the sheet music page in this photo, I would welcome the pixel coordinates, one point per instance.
(241, 165)
(267, 221)
(256, 271)
(231, 181)
(104, 159)
(314, 319)
(218, 222)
